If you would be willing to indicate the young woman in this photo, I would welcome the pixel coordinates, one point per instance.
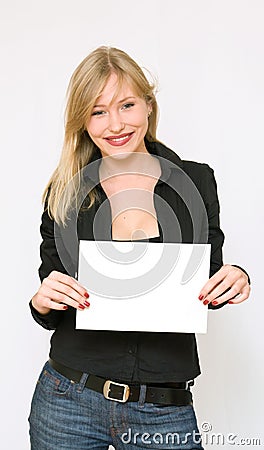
(111, 120)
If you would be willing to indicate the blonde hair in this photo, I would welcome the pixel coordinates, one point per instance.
(86, 85)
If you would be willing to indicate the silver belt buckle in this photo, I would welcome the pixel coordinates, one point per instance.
(107, 390)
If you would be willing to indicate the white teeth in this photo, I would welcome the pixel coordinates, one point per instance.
(119, 139)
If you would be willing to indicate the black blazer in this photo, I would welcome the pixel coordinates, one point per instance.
(187, 207)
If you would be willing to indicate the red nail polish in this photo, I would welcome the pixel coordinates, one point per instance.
(231, 303)
(65, 307)
(206, 302)
(201, 297)
(87, 303)
(214, 303)
(81, 307)
(86, 295)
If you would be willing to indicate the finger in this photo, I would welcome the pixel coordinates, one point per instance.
(50, 304)
(70, 281)
(229, 287)
(228, 275)
(221, 294)
(58, 297)
(64, 289)
(213, 281)
(242, 296)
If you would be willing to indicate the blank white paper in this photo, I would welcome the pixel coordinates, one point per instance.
(143, 286)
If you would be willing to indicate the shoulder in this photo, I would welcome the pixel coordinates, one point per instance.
(195, 168)
(200, 173)
(197, 171)
(202, 176)
(192, 168)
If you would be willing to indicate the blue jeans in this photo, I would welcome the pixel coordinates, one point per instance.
(68, 416)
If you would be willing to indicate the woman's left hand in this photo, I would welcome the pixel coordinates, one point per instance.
(228, 284)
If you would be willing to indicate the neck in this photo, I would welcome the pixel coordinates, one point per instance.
(134, 162)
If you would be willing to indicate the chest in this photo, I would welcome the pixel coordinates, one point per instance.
(132, 207)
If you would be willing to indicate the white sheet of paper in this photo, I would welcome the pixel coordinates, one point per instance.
(143, 286)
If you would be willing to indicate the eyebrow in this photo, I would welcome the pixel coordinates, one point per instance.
(120, 101)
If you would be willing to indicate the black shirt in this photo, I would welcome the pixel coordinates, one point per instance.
(187, 188)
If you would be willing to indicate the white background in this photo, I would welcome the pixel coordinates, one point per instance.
(208, 58)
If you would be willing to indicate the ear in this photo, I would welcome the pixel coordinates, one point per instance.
(149, 109)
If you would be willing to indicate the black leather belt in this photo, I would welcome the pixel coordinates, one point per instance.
(165, 394)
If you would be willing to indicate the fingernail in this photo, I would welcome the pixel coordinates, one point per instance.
(214, 303)
(81, 307)
(87, 303)
(206, 302)
(201, 297)
(65, 307)
(86, 295)
(231, 303)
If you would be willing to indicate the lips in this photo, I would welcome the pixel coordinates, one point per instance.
(119, 140)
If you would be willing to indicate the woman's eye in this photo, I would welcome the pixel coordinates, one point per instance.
(128, 105)
(97, 113)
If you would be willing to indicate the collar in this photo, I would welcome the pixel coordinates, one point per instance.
(168, 158)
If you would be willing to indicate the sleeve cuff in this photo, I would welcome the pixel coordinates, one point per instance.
(47, 321)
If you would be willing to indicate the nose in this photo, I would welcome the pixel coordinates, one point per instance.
(115, 123)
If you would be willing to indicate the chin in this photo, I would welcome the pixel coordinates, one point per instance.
(120, 155)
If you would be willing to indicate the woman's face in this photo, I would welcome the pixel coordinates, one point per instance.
(119, 126)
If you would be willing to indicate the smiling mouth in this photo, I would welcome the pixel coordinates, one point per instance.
(119, 140)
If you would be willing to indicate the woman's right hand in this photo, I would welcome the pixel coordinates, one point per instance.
(58, 291)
